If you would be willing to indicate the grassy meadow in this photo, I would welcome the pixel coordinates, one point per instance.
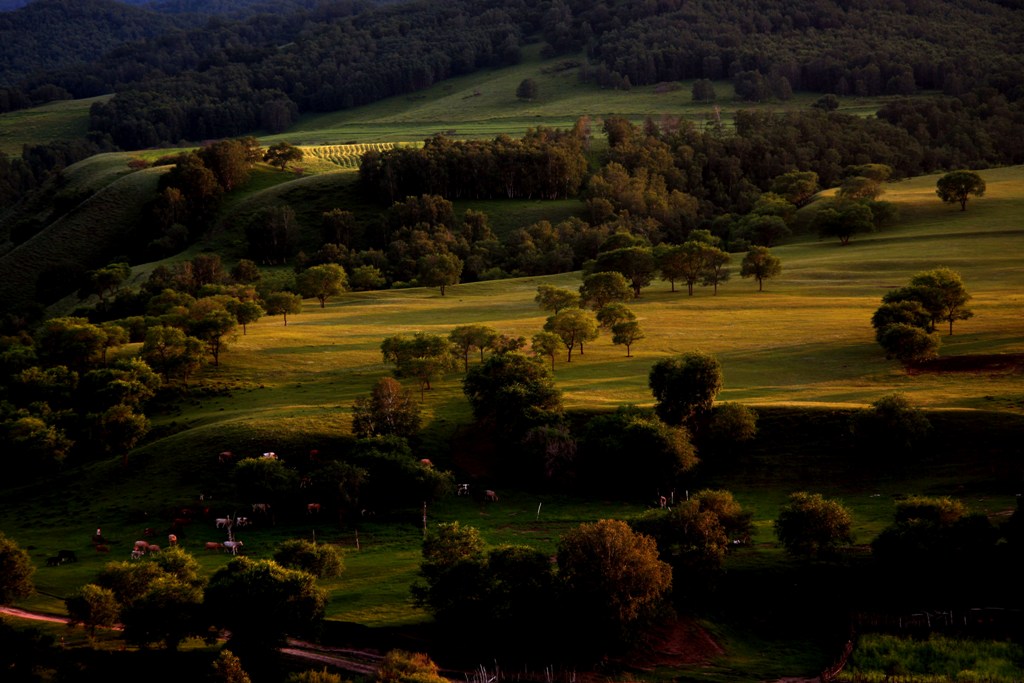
(803, 344)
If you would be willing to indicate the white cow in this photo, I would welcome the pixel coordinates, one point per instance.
(223, 522)
(232, 546)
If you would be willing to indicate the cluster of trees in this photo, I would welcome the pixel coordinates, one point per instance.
(545, 163)
(905, 323)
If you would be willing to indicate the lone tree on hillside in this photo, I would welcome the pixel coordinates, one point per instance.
(760, 264)
(685, 386)
(554, 299)
(282, 154)
(958, 186)
(282, 303)
(527, 89)
(322, 282)
(811, 526)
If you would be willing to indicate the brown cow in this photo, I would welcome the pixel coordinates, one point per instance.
(313, 508)
(212, 545)
(490, 496)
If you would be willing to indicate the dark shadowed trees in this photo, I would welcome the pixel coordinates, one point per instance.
(16, 570)
(811, 526)
(389, 410)
(612, 579)
(685, 386)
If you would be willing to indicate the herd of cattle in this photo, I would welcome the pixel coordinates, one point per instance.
(186, 516)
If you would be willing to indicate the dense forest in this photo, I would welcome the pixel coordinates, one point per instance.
(234, 76)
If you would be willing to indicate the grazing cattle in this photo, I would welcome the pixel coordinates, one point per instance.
(462, 490)
(152, 549)
(261, 507)
(225, 457)
(67, 556)
(232, 546)
(141, 545)
(100, 548)
(426, 462)
(490, 496)
(367, 512)
(313, 508)
(223, 522)
(137, 554)
(270, 455)
(53, 562)
(172, 539)
(242, 521)
(213, 545)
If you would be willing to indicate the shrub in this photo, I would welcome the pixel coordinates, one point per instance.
(320, 560)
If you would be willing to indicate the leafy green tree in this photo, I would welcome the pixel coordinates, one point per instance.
(169, 611)
(93, 606)
(857, 188)
(554, 299)
(365, 278)
(844, 220)
(941, 291)
(546, 344)
(600, 289)
(692, 540)
(454, 569)
(812, 526)
(16, 572)
(612, 579)
(34, 446)
(465, 338)
(636, 264)
(614, 313)
(760, 264)
(512, 392)
(230, 161)
(439, 270)
(627, 333)
(388, 410)
(798, 187)
(261, 602)
(119, 429)
(763, 230)
(70, 341)
(171, 352)
(282, 303)
(715, 267)
(423, 356)
(574, 326)
(210, 321)
(107, 280)
(282, 154)
(319, 559)
(245, 312)
(958, 186)
(909, 312)
(908, 344)
(322, 282)
(264, 480)
(685, 386)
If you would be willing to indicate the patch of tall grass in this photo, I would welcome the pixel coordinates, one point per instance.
(880, 658)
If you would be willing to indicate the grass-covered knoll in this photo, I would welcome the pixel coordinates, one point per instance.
(60, 120)
(937, 659)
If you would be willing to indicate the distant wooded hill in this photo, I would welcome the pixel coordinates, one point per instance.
(260, 72)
